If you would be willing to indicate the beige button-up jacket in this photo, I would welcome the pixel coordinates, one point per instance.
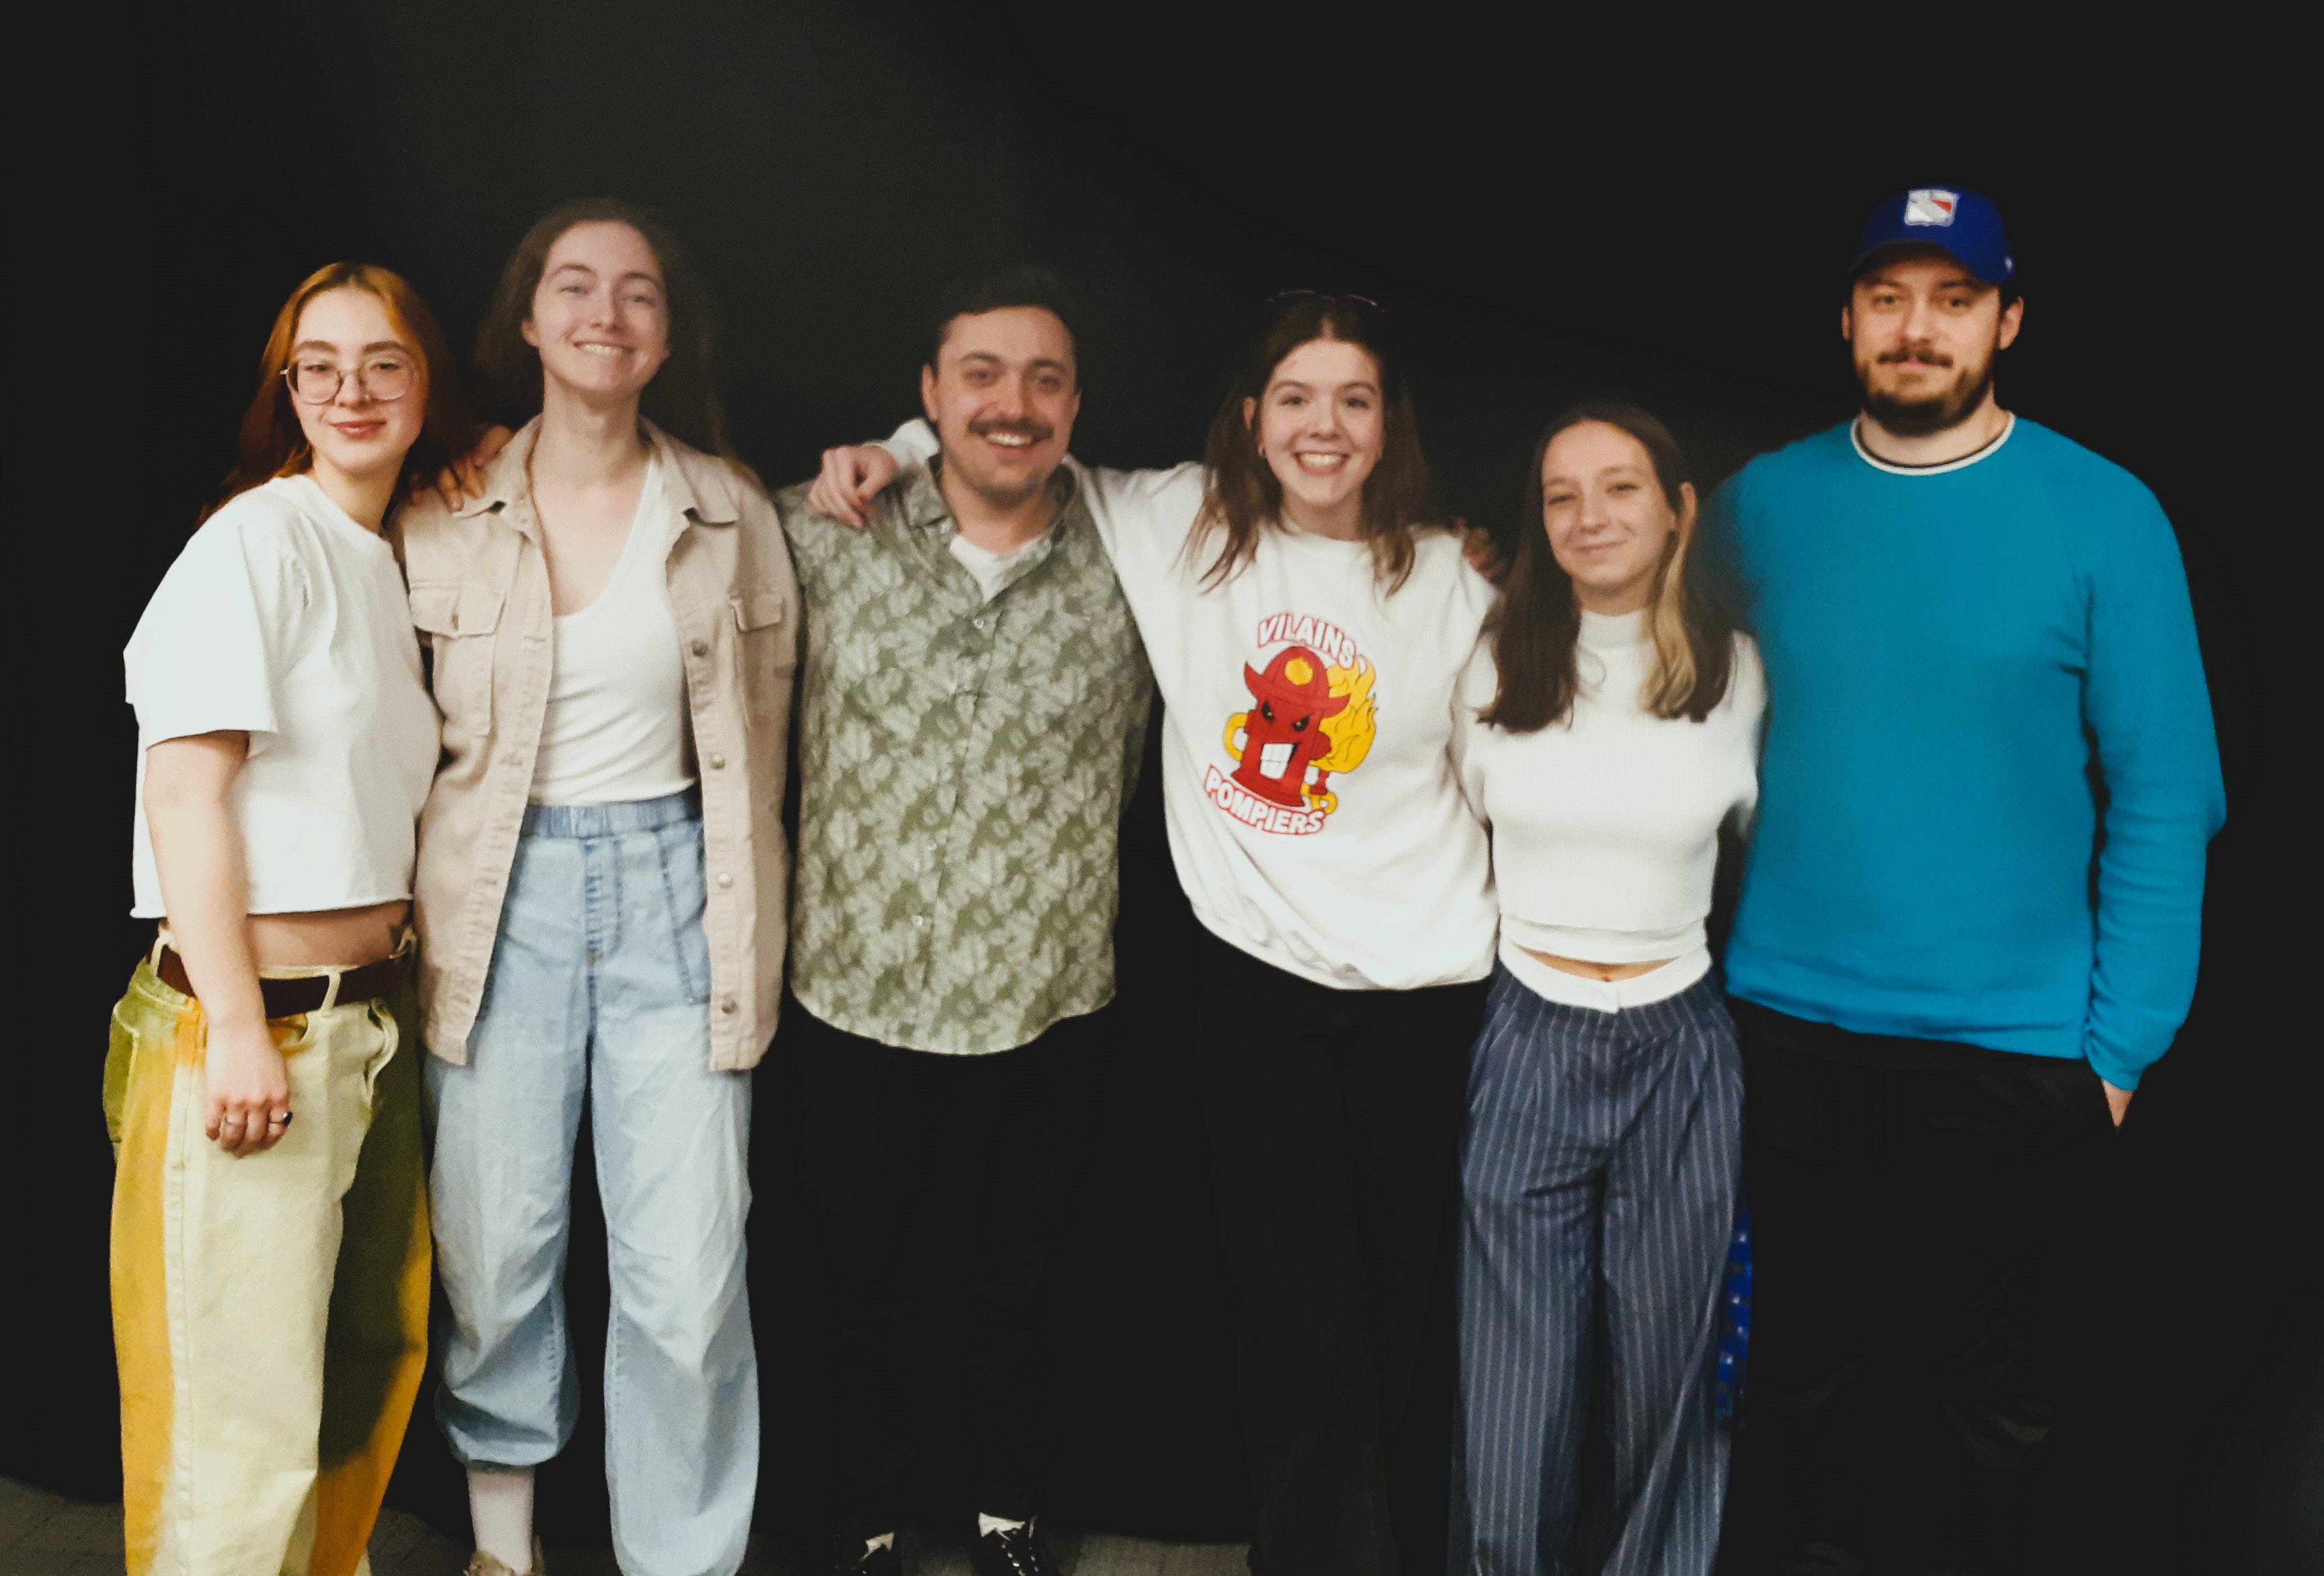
(480, 598)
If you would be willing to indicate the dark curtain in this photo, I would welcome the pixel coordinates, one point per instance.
(1547, 213)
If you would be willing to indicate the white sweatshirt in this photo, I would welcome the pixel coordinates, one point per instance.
(1605, 827)
(1317, 819)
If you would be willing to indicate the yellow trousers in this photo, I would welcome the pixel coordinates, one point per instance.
(269, 1312)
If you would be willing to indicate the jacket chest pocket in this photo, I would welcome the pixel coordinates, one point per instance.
(766, 617)
(459, 619)
(767, 629)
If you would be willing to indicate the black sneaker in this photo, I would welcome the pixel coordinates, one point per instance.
(1013, 1551)
(849, 1557)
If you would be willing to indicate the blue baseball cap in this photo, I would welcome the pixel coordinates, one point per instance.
(1964, 223)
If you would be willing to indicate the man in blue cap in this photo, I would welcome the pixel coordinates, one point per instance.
(1970, 914)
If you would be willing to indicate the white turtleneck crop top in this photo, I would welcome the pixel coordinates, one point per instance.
(1605, 827)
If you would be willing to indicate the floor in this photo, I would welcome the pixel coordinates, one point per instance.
(47, 1534)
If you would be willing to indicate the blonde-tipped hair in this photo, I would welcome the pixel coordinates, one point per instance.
(1690, 618)
(1669, 688)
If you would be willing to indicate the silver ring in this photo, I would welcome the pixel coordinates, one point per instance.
(280, 1119)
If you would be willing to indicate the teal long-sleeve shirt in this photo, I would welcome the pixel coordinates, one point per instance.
(1990, 775)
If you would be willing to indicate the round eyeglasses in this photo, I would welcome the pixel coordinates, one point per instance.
(316, 382)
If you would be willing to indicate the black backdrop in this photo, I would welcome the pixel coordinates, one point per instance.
(1548, 211)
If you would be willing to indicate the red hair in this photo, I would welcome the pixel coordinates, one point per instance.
(272, 444)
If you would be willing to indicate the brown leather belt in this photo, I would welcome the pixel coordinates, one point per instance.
(290, 998)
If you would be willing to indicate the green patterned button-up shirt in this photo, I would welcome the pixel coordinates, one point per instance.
(964, 765)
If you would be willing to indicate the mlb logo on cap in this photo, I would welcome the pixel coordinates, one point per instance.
(1929, 204)
(1960, 222)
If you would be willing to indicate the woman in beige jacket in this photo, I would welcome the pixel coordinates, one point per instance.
(600, 891)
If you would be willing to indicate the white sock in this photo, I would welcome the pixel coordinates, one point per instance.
(886, 1540)
(986, 1525)
(499, 1503)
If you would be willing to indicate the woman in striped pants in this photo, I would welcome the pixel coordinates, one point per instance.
(1610, 730)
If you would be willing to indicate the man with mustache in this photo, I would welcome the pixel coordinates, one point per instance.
(973, 708)
(1970, 913)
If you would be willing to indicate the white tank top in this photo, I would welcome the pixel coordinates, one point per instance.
(616, 729)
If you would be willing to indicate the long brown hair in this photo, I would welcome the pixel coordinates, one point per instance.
(1691, 619)
(1245, 498)
(681, 400)
(272, 444)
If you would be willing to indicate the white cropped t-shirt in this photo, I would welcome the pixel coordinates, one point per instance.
(1604, 826)
(616, 729)
(284, 619)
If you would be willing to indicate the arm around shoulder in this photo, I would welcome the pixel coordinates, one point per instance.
(809, 533)
(1473, 694)
(1163, 501)
(912, 443)
(1168, 495)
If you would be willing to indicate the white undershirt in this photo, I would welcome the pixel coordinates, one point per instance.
(615, 731)
(1605, 827)
(990, 568)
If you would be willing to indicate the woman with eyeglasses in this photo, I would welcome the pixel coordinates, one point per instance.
(270, 1234)
(1308, 623)
(600, 890)
(1610, 730)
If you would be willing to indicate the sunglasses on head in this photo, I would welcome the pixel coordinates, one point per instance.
(1281, 298)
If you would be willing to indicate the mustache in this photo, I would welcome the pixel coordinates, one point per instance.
(1930, 354)
(1031, 431)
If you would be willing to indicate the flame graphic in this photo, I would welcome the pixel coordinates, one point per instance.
(1351, 732)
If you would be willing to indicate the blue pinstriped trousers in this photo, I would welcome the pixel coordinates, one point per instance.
(1598, 1176)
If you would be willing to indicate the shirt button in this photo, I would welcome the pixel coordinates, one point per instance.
(919, 922)
(724, 880)
(716, 761)
(983, 620)
(726, 1004)
(700, 648)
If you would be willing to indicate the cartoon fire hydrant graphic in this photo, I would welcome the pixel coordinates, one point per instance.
(1307, 718)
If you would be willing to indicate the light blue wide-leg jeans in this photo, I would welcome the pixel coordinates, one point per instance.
(601, 981)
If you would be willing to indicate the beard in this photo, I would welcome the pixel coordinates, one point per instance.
(1921, 415)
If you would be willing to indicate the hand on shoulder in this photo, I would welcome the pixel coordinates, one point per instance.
(1483, 553)
(462, 482)
(853, 475)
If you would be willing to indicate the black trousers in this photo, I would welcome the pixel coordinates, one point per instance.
(1913, 1205)
(1334, 1126)
(940, 1183)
